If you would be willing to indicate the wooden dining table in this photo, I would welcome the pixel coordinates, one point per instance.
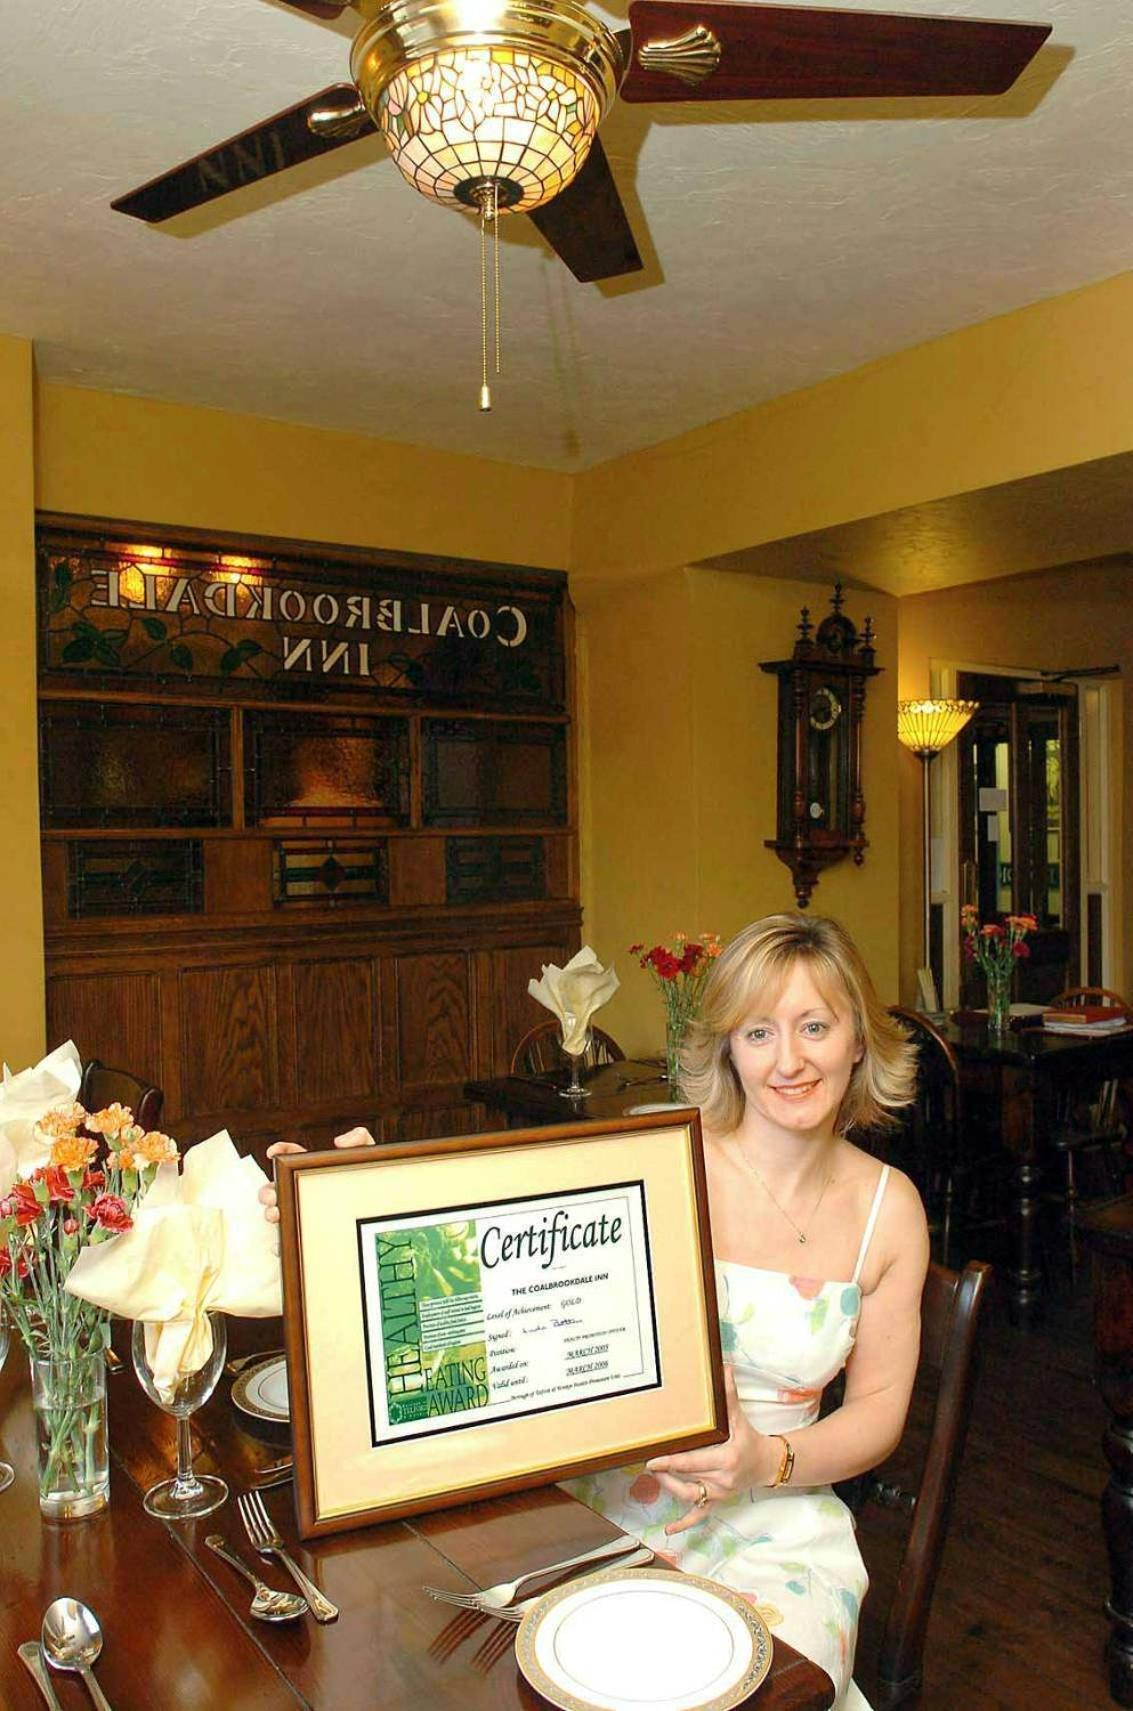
(177, 1632)
(1019, 1077)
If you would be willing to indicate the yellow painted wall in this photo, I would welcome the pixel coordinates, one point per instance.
(679, 772)
(101, 454)
(1036, 390)
(676, 725)
(21, 989)
(1058, 620)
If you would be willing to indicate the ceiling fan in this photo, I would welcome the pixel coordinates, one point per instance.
(495, 104)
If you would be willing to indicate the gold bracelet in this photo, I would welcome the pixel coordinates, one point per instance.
(786, 1462)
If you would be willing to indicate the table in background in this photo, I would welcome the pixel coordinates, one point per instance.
(612, 1090)
(1018, 1076)
(175, 1620)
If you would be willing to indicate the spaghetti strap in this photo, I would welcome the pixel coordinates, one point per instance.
(871, 1221)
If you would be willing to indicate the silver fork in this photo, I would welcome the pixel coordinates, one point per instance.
(265, 1538)
(516, 1612)
(493, 1599)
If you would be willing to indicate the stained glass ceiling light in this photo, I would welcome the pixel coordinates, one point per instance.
(479, 93)
(926, 727)
(487, 104)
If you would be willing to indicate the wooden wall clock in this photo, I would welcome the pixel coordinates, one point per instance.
(821, 808)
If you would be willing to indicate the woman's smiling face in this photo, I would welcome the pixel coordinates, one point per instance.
(795, 1052)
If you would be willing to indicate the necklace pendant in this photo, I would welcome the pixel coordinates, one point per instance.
(802, 1240)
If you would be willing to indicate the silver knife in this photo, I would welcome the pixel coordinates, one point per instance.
(31, 1656)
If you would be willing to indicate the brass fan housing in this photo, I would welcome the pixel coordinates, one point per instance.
(504, 91)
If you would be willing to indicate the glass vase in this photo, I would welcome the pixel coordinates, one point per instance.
(69, 1400)
(674, 1041)
(998, 1000)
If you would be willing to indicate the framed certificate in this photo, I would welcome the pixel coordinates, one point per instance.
(471, 1316)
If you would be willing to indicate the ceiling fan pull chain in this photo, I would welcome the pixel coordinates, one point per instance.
(485, 391)
(496, 218)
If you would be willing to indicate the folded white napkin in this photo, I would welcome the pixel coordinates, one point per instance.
(573, 994)
(24, 1099)
(199, 1244)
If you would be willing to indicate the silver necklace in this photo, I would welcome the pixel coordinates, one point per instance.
(800, 1233)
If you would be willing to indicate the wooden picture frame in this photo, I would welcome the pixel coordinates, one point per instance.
(481, 1314)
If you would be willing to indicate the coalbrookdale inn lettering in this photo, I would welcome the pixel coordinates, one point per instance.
(364, 615)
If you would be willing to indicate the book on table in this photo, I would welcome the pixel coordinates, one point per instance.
(1086, 1018)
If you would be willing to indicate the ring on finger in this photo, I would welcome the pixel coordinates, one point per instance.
(702, 1497)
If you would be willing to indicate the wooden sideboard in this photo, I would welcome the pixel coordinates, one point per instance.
(309, 822)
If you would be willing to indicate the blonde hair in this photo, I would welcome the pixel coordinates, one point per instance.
(752, 968)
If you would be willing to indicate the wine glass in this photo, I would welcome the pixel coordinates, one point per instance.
(187, 1495)
(574, 1088)
(7, 1472)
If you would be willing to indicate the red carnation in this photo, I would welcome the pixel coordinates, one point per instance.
(70, 1226)
(93, 1179)
(5, 1261)
(23, 1205)
(666, 965)
(110, 1212)
(691, 959)
(58, 1187)
(1019, 949)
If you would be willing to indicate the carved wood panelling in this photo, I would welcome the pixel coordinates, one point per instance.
(336, 1029)
(427, 1123)
(229, 1038)
(115, 1019)
(434, 1015)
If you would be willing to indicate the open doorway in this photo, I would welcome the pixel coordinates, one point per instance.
(1019, 820)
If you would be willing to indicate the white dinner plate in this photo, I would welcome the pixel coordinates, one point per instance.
(643, 1640)
(262, 1390)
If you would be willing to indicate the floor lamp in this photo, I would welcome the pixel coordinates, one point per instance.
(927, 727)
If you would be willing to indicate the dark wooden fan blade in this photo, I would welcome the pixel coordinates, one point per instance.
(320, 8)
(586, 224)
(730, 51)
(284, 140)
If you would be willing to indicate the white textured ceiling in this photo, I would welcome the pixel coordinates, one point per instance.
(784, 242)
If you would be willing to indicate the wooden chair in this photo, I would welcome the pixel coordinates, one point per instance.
(540, 1052)
(1088, 1119)
(891, 1671)
(101, 1087)
(930, 1141)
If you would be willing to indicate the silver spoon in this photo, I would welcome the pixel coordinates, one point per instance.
(72, 1640)
(269, 1605)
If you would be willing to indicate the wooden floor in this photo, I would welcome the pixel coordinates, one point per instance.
(1018, 1618)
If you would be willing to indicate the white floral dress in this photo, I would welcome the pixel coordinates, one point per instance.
(792, 1551)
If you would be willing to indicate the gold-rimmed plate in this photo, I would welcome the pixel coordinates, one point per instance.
(261, 1391)
(631, 1638)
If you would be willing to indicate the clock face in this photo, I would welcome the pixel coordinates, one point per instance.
(825, 709)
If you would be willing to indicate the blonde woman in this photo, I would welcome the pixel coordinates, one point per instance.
(821, 1256)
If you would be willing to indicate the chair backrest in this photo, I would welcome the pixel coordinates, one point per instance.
(539, 1051)
(101, 1086)
(1077, 997)
(930, 1133)
(950, 1309)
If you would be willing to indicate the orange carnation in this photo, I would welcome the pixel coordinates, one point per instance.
(72, 1152)
(155, 1148)
(112, 1121)
(62, 1121)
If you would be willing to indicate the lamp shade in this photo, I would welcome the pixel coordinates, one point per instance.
(472, 94)
(926, 727)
